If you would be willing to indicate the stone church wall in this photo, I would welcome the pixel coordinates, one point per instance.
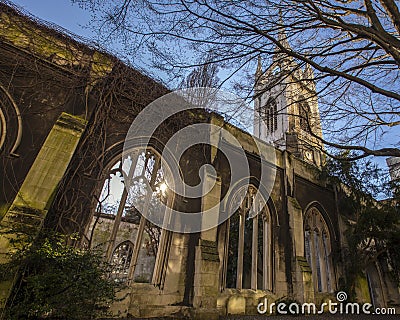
(50, 78)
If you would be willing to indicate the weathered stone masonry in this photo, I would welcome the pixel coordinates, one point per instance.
(65, 112)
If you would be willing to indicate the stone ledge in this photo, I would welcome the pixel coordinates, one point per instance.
(209, 250)
(70, 122)
(303, 263)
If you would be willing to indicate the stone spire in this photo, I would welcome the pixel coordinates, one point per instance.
(282, 39)
(308, 75)
(308, 72)
(259, 71)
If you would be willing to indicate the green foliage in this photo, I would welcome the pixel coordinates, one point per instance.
(373, 225)
(58, 281)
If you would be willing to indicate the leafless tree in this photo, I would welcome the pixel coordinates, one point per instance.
(204, 75)
(353, 48)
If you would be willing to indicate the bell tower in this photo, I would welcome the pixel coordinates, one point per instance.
(286, 110)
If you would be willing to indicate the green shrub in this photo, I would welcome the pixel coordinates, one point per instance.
(58, 281)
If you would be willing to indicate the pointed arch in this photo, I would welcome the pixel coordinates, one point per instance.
(324, 213)
(121, 261)
(248, 242)
(116, 217)
(269, 114)
(318, 250)
(252, 180)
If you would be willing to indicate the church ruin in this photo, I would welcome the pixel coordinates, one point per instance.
(65, 111)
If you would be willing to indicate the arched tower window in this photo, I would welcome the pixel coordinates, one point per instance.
(305, 116)
(117, 220)
(269, 114)
(248, 259)
(317, 250)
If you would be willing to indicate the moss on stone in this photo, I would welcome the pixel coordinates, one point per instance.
(3, 209)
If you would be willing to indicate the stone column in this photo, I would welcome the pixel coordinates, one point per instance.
(25, 216)
(206, 278)
(302, 275)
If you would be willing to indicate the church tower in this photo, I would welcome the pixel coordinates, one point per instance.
(286, 110)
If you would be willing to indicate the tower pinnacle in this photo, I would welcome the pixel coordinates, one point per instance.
(259, 69)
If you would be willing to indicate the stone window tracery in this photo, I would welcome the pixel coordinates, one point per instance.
(269, 114)
(117, 219)
(248, 258)
(121, 260)
(317, 250)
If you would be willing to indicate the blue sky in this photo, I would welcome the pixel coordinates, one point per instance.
(60, 12)
(74, 19)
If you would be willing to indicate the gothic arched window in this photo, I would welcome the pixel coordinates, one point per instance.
(305, 116)
(248, 244)
(121, 260)
(317, 250)
(269, 114)
(118, 220)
